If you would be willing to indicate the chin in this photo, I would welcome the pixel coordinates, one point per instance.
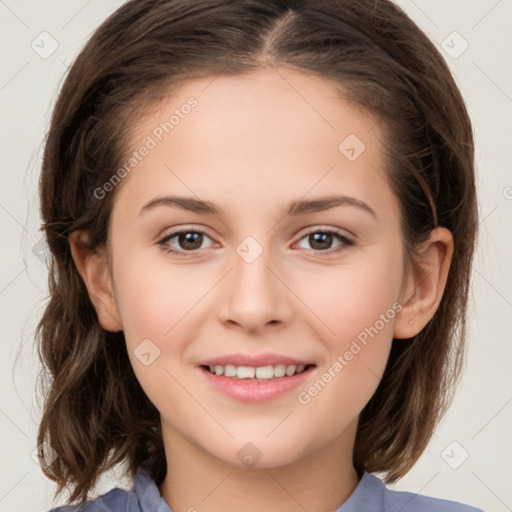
(260, 453)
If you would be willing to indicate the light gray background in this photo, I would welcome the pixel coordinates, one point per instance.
(479, 422)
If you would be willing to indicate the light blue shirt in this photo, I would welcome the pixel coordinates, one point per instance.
(371, 495)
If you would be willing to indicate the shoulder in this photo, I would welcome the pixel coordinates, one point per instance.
(144, 495)
(411, 502)
(116, 500)
(372, 491)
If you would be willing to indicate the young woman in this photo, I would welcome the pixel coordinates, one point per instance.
(262, 218)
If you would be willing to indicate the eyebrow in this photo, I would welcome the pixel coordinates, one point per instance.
(295, 208)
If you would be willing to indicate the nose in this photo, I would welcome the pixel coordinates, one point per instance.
(255, 296)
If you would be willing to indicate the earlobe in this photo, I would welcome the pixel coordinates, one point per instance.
(92, 265)
(425, 284)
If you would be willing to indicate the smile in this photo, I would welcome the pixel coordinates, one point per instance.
(256, 379)
(268, 372)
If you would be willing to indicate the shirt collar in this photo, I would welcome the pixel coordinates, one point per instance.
(368, 495)
(148, 493)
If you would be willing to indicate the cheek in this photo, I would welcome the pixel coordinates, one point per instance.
(358, 305)
(158, 307)
(157, 304)
(165, 303)
(349, 377)
(154, 298)
(350, 300)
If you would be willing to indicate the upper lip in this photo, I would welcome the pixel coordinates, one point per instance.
(254, 361)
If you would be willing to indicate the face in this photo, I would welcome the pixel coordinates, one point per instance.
(257, 231)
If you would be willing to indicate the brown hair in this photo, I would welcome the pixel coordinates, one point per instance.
(96, 415)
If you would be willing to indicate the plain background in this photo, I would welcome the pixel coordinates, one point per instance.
(470, 456)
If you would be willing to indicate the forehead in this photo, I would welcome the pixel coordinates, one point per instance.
(273, 133)
(275, 105)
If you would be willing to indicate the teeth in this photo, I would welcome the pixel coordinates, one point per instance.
(279, 370)
(230, 370)
(261, 372)
(290, 370)
(265, 372)
(245, 372)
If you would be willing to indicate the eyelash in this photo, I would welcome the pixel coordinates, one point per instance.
(345, 242)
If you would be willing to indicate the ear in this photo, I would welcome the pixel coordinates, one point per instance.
(92, 265)
(425, 284)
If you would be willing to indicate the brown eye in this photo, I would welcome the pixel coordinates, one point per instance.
(184, 241)
(320, 241)
(325, 241)
(190, 241)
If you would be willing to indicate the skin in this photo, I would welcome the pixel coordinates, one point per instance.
(252, 145)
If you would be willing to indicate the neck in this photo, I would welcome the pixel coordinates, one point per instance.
(197, 481)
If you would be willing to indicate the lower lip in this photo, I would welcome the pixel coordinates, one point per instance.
(254, 391)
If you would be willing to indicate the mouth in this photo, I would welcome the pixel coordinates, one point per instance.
(251, 379)
(257, 373)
